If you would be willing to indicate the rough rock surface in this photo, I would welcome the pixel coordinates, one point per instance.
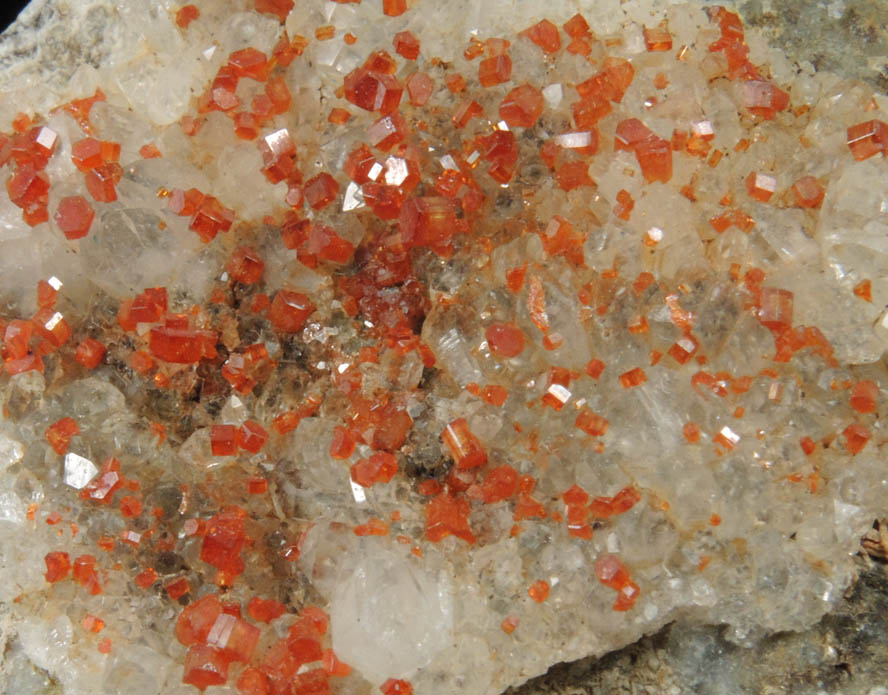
(734, 487)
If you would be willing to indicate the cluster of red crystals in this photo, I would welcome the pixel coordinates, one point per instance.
(245, 265)
(373, 90)
(622, 502)
(591, 423)
(175, 341)
(654, 154)
(431, 221)
(500, 484)
(223, 542)
(577, 512)
(856, 437)
(30, 151)
(208, 215)
(613, 573)
(864, 396)
(85, 573)
(557, 392)
(102, 488)
(380, 467)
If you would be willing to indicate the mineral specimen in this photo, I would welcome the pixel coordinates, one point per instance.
(386, 346)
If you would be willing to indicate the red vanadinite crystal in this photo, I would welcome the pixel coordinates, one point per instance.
(867, 139)
(856, 437)
(195, 621)
(406, 45)
(657, 39)
(265, 610)
(539, 591)
(776, 309)
(808, 192)
(545, 35)
(85, 574)
(373, 91)
(223, 440)
(320, 190)
(186, 15)
(16, 339)
(396, 687)
(387, 132)
(522, 106)
(211, 218)
(634, 377)
(764, 99)
(251, 436)
(74, 216)
(464, 447)
(380, 467)
(58, 565)
(864, 396)
(428, 221)
(145, 578)
(249, 62)
(245, 265)
(505, 339)
(223, 542)
(130, 506)
(447, 515)
(419, 88)
(278, 8)
(591, 423)
(289, 311)
(760, 186)
(495, 70)
(204, 666)
(59, 434)
(343, 444)
(90, 353)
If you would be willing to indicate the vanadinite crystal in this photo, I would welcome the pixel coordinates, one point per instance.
(408, 346)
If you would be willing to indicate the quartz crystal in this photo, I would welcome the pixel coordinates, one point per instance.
(377, 346)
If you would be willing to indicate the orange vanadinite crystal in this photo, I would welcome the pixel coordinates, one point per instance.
(177, 588)
(545, 35)
(764, 99)
(406, 45)
(594, 368)
(539, 591)
(74, 216)
(557, 391)
(634, 377)
(278, 8)
(572, 175)
(864, 290)
(500, 148)
(776, 309)
(196, 620)
(808, 192)
(447, 515)
(760, 186)
(102, 181)
(320, 190)
(464, 447)
(58, 565)
(374, 527)
(591, 423)
(625, 203)
(373, 91)
(691, 432)
(500, 484)
(867, 139)
(204, 666)
(657, 39)
(251, 436)
(265, 610)
(90, 353)
(394, 8)
(289, 311)
(130, 507)
(249, 62)
(509, 624)
(225, 538)
(343, 444)
(59, 434)
(395, 686)
(856, 437)
(385, 133)
(223, 440)
(495, 70)
(419, 88)
(211, 218)
(245, 265)
(85, 574)
(186, 15)
(505, 339)
(864, 396)
(428, 221)
(145, 578)
(380, 467)
(456, 83)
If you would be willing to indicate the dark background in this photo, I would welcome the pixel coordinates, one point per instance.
(9, 10)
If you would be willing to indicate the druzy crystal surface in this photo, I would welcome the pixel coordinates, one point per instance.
(379, 346)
